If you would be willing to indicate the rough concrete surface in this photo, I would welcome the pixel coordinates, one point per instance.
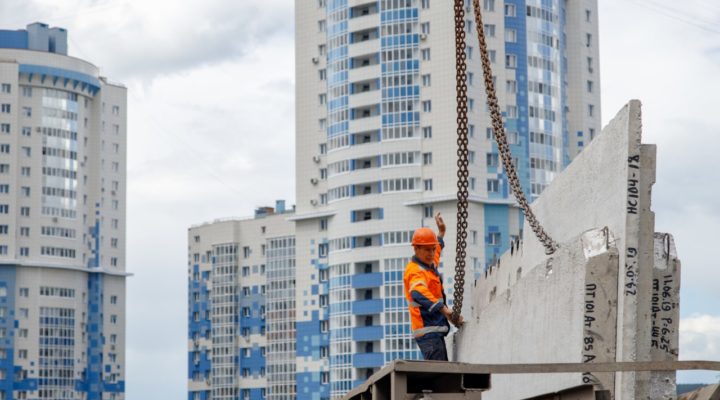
(563, 310)
(609, 185)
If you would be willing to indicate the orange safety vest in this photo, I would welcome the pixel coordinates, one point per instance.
(425, 296)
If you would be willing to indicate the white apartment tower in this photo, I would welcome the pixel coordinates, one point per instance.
(376, 153)
(241, 307)
(62, 222)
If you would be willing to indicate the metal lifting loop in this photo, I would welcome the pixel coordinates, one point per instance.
(462, 152)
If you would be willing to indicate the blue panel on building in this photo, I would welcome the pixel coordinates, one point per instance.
(363, 281)
(366, 307)
(367, 333)
(367, 360)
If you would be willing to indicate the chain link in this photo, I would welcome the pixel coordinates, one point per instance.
(501, 138)
(462, 162)
(462, 152)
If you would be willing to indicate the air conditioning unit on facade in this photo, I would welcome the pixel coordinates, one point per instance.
(313, 202)
(423, 36)
(316, 159)
(314, 181)
(315, 60)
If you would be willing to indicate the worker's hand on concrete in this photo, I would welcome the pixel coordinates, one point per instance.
(440, 224)
(448, 314)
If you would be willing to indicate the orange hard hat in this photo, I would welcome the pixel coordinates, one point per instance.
(424, 237)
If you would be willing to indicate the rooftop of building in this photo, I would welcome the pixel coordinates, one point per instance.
(37, 36)
(260, 212)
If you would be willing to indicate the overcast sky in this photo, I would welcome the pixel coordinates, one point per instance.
(211, 134)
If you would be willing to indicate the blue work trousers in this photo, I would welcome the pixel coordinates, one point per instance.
(432, 347)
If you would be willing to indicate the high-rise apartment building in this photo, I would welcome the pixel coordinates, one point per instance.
(376, 159)
(62, 222)
(241, 327)
(376, 148)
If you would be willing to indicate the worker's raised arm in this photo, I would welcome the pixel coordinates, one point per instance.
(441, 234)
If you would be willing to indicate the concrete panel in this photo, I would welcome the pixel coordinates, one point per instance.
(562, 310)
(664, 315)
(608, 185)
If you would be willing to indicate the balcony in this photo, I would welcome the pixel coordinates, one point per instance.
(367, 307)
(367, 333)
(365, 281)
(364, 99)
(355, 3)
(364, 73)
(367, 360)
(364, 22)
(364, 47)
(373, 123)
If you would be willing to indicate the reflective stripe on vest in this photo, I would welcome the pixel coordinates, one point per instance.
(417, 284)
(429, 329)
(413, 304)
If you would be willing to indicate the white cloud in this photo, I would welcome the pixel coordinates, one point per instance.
(700, 340)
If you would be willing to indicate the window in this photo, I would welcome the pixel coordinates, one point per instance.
(27, 111)
(324, 351)
(426, 81)
(469, 78)
(22, 354)
(471, 157)
(511, 86)
(26, 151)
(512, 111)
(489, 5)
(590, 64)
(246, 252)
(493, 186)
(510, 35)
(5, 88)
(489, 30)
(5, 148)
(425, 53)
(25, 211)
(4, 208)
(26, 131)
(113, 299)
(25, 252)
(27, 91)
(116, 110)
(589, 86)
(427, 106)
(469, 52)
(324, 275)
(246, 311)
(492, 159)
(425, 28)
(473, 237)
(427, 132)
(494, 238)
(471, 104)
(471, 130)
(25, 190)
(323, 148)
(322, 250)
(509, 10)
(245, 271)
(25, 171)
(322, 25)
(472, 183)
(427, 158)
(428, 211)
(510, 61)
(322, 74)
(324, 300)
(592, 133)
(323, 224)
(5, 108)
(322, 98)
(591, 110)
(588, 15)
(425, 4)
(5, 128)
(428, 184)
(588, 39)
(324, 326)
(3, 229)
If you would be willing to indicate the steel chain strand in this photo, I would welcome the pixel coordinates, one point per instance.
(501, 138)
(462, 162)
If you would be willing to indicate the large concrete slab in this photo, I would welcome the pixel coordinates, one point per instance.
(558, 311)
(608, 185)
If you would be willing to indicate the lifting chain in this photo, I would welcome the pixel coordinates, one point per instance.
(462, 141)
(462, 163)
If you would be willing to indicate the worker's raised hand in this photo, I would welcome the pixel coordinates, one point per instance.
(440, 224)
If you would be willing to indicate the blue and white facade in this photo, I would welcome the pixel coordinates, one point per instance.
(230, 333)
(62, 222)
(376, 154)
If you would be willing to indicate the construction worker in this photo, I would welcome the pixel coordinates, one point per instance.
(429, 314)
